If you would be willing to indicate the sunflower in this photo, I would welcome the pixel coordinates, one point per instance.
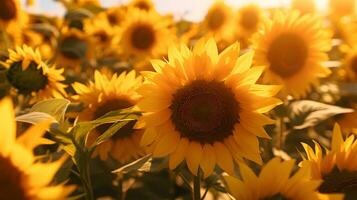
(10, 12)
(337, 167)
(219, 22)
(74, 48)
(142, 4)
(249, 18)
(146, 34)
(29, 75)
(350, 63)
(105, 35)
(205, 108)
(304, 6)
(276, 182)
(293, 47)
(30, 38)
(22, 177)
(340, 8)
(116, 15)
(346, 29)
(110, 94)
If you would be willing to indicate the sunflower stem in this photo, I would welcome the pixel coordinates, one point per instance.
(197, 186)
(86, 179)
(120, 188)
(281, 135)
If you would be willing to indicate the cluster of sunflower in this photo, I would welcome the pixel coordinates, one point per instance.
(127, 103)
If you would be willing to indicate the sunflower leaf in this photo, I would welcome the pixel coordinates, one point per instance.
(114, 129)
(141, 164)
(82, 129)
(54, 107)
(311, 113)
(35, 117)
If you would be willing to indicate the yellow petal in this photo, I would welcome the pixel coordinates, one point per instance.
(179, 154)
(248, 143)
(148, 137)
(156, 118)
(209, 160)
(223, 157)
(243, 63)
(168, 142)
(194, 156)
(32, 137)
(337, 139)
(7, 126)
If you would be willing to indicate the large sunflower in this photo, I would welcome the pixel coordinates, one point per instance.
(337, 167)
(219, 22)
(293, 47)
(146, 34)
(276, 182)
(205, 108)
(21, 176)
(104, 95)
(29, 75)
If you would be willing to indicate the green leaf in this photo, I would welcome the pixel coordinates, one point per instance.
(112, 130)
(34, 117)
(82, 129)
(54, 107)
(63, 138)
(311, 112)
(141, 164)
(80, 13)
(47, 29)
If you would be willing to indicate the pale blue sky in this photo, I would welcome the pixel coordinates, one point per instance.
(189, 9)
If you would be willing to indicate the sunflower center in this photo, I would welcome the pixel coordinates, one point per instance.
(287, 54)
(26, 81)
(276, 197)
(216, 19)
(11, 181)
(102, 36)
(340, 182)
(77, 24)
(7, 10)
(249, 20)
(73, 48)
(204, 111)
(142, 5)
(354, 64)
(142, 37)
(113, 18)
(113, 105)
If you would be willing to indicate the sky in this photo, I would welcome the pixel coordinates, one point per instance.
(193, 10)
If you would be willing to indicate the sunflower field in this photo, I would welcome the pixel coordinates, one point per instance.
(124, 102)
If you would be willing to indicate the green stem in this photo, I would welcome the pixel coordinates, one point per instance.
(197, 186)
(281, 136)
(120, 187)
(86, 179)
